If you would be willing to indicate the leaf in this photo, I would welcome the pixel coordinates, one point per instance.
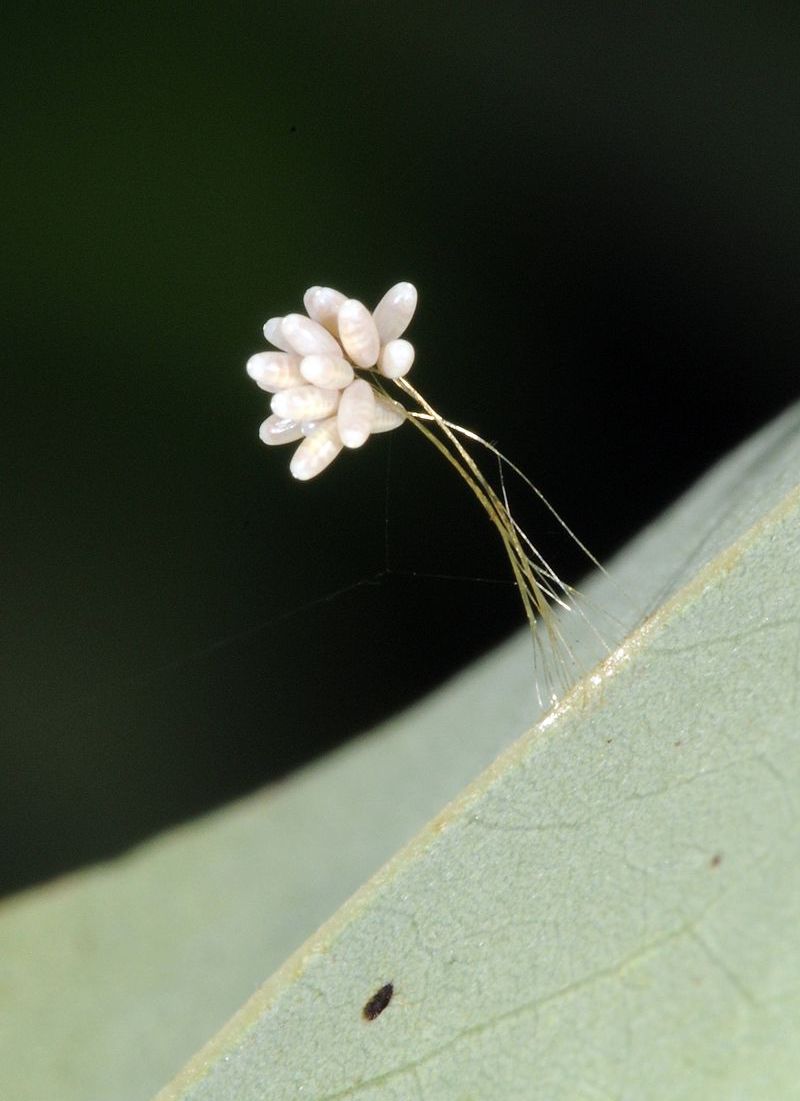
(609, 910)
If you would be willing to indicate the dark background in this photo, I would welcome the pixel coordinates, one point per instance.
(599, 205)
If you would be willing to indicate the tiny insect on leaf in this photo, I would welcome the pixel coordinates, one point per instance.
(378, 1002)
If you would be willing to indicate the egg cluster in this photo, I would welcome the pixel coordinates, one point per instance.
(319, 396)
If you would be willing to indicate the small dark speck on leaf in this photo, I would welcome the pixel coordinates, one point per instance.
(378, 1002)
(715, 860)
(292, 129)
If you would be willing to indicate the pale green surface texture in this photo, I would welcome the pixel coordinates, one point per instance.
(609, 911)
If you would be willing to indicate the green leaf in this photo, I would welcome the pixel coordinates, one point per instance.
(610, 910)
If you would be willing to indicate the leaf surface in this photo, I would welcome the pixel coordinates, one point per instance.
(608, 910)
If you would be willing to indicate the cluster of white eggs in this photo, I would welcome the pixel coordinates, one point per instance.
(318, 395)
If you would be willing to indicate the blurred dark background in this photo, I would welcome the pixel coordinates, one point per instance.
(599, 205)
